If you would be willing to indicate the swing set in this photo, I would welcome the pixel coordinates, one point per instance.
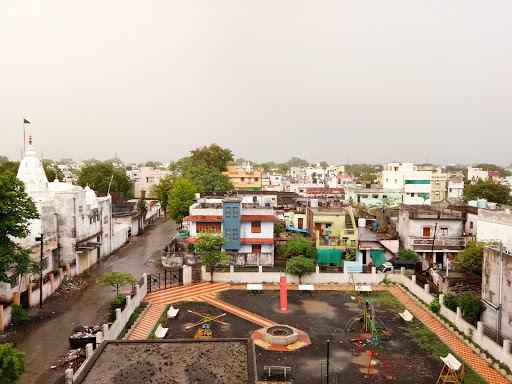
(369, 325)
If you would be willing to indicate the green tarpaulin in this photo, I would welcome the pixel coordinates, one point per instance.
(329, 256)
(417, 181)
(378, 257)
(426, 196)
(184, 234)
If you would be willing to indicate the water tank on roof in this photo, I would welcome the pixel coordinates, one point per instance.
(473, 203)
(361, 222)
(482, 203)
(314, 203)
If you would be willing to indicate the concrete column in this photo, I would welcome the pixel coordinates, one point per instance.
(105, 330)
(15, 298)
(118, 313)
(345, 270)
(441, 299)
(145, 282)
(137, 290)
(260, 269)
(99, 338)
(479, 329)
(317, 271)
(68, 269)
(459, 313)
(413, 279)
(51, 283)
(89, 350)
(1, 318)
(29, 289)
(374, 270)
(392, 270)
(128, 302)
(231, 272)
(187, 275)
(69, 375)
(426, 287)
(61, 275)
(506, 348)
(402, 271)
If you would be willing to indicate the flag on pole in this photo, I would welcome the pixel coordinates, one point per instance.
(25, 121)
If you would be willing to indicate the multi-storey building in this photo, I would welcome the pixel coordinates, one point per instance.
(455, 186)
(333, 228)
(406, 178)
(249, 227)
(144, 178)
(244, 178)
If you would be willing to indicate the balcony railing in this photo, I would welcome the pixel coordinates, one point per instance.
(425, 243)
(336, 242)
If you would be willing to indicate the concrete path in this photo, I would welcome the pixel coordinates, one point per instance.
(47, 340)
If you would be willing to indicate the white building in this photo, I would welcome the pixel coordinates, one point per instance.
(415, 185)
(145, 178)
(455, 186)
(495, 226)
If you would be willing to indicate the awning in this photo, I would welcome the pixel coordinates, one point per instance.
(184, 234)
(296, 229)
(329, 256)
(378, 257)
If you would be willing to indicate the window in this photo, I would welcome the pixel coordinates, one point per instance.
(396, 181)
(256, 248)
(364, 196)
(208, 227)
(470, 224)
(328, 225)
(14, 280)
(256, 227)
(235, 212)
(351, 232)
(90, 220)
(444, 231)
(227, 234)
(255, 199)
(451, 189)
(256, 179)
(412, 194)
(242, 179)
(384, 196)
(387, 180)
(235, 234)
(227, 212)
(375, 196)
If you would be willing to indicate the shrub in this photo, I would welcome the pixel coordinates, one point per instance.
(119, 302)
(278, 228)
(450, 302)
(435, 306)
(18, 314)
(12, 363)
(408, 254)
(471, 307)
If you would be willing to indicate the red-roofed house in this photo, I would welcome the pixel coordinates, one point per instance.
(248, 226)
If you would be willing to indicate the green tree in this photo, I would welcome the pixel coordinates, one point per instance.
(53, 172)
(12, 363)
(3, 159)
(408, 254)
(324, 164)
(471, 307)
(239, 161)
(298, 246)
(24, 264)
(98, 178)
(16, 209)
(161, 191)
(181, 197)
(207, 179)
(9, 167)
(209, 245)
(142, 207)
(493, 167)
(181, 166)
(300, 266)
(297, 162)
(278, 228)
(457, 168)
(92, 161)
(65, 161)
(368, 177)
(283, 168)
(359, 169)
(116, 280)
(153, 164)
(471, 258)
(212, 156)
(489, 189)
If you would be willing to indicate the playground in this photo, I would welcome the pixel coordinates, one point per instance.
(387, 345)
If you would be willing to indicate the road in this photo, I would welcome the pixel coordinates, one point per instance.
(45, 338)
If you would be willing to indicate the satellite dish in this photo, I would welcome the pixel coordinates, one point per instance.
(328, 232)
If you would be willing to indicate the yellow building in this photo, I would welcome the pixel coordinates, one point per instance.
(439, 181)
(244, 178)
(333, 228)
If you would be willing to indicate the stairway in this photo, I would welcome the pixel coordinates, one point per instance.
(197, 275)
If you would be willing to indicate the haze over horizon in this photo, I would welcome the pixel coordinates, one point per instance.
(373, 82)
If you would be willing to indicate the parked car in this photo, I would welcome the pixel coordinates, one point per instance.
(397, 264)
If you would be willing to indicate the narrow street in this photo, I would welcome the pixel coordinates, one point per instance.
(45, 339)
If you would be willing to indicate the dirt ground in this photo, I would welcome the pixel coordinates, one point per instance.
(44, 337)
(324, 316)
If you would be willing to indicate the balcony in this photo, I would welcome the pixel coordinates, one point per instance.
(335, 241)
(441, 243)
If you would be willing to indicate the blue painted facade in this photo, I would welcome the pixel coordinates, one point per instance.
(231, 222)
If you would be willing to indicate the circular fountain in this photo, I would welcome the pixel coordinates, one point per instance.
(279, 334)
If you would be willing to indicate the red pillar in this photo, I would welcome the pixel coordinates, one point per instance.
(284, 299)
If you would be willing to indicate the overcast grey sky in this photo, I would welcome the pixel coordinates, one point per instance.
(375, 80)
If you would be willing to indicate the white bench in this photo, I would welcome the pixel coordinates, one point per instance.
(363, 288)
(254, 287)
(407, 316)
(172, 312)
(452, 362)
(161, 332)
(306, 287)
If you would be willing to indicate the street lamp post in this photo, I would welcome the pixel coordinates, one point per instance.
(40, 238)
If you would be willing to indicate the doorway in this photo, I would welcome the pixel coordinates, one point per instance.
(426, 231)
(300, 223)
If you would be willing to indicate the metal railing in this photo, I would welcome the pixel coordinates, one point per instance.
(492, 334)
(440, 243)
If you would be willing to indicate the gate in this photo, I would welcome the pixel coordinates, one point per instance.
(24, 299)
(164, 280)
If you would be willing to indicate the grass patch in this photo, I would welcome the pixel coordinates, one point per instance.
(386, 298)
(136, 313)
(430, 342)
(162, 318)
(448, 322)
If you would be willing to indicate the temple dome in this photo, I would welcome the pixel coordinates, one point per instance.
(32, 174)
